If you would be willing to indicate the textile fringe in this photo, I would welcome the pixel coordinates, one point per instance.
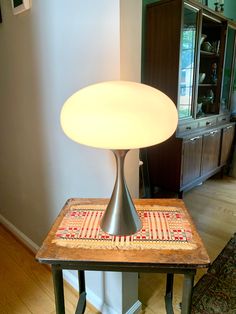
(138, 207)
(91, 244)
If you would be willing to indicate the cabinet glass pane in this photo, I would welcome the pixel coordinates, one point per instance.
(228, 70)
(187, 63)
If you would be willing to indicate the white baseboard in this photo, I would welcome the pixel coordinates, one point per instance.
(106, 309)
(135, 309)
(20, 235)
(93, 299)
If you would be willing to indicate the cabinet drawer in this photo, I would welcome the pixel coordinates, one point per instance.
(207, 122)
(222, 119)
(187, 127)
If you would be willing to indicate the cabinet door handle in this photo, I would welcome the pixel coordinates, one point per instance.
(188, 128)
(229, 127)
(208, 123)
(213, 132)
(194, 138)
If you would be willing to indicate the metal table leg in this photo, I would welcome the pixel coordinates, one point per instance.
(58, 289)
(187, 292)
(169, 293)
(80, 309)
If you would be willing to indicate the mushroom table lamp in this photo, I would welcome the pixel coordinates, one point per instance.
(119, 115)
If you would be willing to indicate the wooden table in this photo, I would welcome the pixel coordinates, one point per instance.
(169, 261)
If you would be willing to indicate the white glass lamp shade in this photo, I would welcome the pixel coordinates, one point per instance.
(119, 115)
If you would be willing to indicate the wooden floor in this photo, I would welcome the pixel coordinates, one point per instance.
(25, 285)
(213, 208)
(29, 289)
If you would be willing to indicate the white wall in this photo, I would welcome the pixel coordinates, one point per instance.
(46, 54)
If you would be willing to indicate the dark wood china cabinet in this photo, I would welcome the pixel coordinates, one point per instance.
(189, 53)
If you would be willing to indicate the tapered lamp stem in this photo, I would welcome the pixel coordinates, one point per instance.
(120, 217)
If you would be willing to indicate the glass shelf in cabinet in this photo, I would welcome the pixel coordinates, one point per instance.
(209, 54)
(207, 85)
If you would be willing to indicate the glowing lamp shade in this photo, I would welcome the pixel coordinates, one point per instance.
(120, 116)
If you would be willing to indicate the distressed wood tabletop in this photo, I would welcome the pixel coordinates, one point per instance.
(126, 260)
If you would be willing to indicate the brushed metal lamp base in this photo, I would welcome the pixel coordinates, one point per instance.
(120, 217)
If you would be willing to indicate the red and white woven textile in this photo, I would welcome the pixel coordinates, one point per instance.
(163, 227)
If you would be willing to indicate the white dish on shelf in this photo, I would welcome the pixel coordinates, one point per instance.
(203, 37)
(202, 77)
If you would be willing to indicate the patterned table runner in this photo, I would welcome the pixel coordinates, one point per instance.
(164, 227)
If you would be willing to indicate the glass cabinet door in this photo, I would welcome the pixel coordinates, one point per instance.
(228, 70)
(187, 66)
